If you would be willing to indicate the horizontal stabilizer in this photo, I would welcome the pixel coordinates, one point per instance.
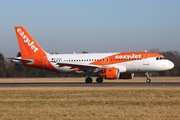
(19, 59)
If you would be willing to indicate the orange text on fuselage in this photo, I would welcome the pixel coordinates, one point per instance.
(132, 56)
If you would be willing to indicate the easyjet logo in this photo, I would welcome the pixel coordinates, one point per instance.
(132, 56)
(27, 40)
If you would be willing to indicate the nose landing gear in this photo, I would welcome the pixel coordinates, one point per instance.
(148, 80)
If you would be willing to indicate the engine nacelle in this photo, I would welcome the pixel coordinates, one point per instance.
(126, 75)
(109, 73)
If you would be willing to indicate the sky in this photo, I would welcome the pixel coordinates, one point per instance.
(67, 26)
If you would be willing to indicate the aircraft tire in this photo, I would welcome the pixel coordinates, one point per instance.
(88, 80)
(148, 80)
(99, 80)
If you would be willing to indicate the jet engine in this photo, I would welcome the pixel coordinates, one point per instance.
(109, 73)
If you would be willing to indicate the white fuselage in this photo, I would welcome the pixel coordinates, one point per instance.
(130, 64)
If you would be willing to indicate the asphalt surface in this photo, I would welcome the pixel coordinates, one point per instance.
(82, 84)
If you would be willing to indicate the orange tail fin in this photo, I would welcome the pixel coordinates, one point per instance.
(27, 44)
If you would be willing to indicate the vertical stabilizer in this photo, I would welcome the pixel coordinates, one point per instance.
(27, 44)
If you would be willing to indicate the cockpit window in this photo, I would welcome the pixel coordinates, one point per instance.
(161, 58)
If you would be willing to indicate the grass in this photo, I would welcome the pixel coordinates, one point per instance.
(89, 103)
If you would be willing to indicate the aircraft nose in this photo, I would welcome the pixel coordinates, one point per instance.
(170, 65)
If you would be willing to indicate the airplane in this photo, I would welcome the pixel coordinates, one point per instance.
(110, 66)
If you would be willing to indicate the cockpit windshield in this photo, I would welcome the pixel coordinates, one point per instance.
(161, 58)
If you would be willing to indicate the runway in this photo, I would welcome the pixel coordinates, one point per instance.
(82, 84)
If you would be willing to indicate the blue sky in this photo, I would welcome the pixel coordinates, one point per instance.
(65, 26)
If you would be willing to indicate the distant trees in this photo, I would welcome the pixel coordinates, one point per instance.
(84, 52)
(2, 66)
(11, 69)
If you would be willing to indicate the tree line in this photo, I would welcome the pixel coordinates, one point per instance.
(11, 69)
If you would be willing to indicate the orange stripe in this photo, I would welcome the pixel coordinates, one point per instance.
(124, 57)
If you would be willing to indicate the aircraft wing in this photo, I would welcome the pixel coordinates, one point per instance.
(81, 67)
(78, 65)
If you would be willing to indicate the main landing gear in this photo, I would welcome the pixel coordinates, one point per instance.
(148, 80)
(98, 80)
(88, 80)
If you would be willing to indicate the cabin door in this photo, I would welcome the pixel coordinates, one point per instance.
(146, 59)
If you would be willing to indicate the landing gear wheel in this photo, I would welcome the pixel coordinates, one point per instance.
(99, 80)
(88, 80)
(148, 80)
